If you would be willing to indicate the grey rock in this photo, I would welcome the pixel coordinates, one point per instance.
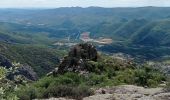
(24, 70)
(4, 62)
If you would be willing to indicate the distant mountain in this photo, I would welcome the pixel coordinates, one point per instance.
(81, 17)
(48, 16)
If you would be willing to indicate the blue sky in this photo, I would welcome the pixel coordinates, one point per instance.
(81, 3)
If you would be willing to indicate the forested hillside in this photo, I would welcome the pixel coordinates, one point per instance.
(40, 58)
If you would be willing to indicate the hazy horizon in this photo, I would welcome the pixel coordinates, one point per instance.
(80, 3)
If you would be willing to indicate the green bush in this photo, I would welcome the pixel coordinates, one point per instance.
(124, 77)
(28, 93)
(44, 82)
(67, 91)
(74, 85)
(167, 88)
(68, 85)
(148, 76)
(141, 77)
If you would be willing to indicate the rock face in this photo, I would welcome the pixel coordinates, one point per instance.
(24, 71)
(4, 62)
(77, 58)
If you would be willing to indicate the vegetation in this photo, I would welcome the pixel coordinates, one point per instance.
(107, 72)
(41, 58)
(30, 41)
(8, 87)
(69, 85)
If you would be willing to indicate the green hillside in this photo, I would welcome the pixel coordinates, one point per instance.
(40, 58)
(154, 34)
(130, 27)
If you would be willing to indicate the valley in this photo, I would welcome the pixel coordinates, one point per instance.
(73, 52)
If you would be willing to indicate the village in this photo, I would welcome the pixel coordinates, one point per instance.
(84, 37)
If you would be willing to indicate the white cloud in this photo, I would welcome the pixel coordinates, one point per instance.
(83, 3)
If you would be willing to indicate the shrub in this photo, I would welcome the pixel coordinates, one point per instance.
(68, 85)
(27, 93)
(3, 72)
(67, 91)
(167, 88)
(141, 77)
(97, 80)
(111, 73)
(76, 78)
(124, 77)
(148, 76)
(44, 82)
(76, 86)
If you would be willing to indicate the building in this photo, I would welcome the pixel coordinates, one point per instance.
(85, 36)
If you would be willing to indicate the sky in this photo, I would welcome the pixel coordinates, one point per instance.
(81, 3)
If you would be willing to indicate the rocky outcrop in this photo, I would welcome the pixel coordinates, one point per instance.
(4, 62)
(77, 59)
(25, 71)
(84, 51)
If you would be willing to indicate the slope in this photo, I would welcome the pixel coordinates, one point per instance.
(154, 34)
